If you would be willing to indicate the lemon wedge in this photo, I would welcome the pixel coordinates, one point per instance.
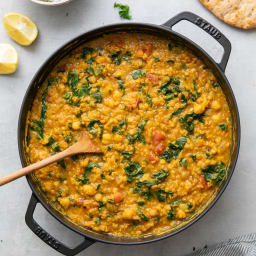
(8, 59)
(20, 28)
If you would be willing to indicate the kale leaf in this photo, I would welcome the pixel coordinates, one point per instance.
(215, 173)
(133, 170)
(174, 150)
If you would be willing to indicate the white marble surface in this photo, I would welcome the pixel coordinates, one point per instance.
(234, 213)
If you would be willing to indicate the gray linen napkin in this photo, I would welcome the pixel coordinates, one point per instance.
(240, 246)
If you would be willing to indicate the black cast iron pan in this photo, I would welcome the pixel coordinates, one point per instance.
(165, 31)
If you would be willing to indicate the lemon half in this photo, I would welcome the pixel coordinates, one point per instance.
(8, 59)
(20, 28)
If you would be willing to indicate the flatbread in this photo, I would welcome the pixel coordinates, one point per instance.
(238, 13)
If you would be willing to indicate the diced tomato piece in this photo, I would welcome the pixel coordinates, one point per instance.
(135, 105)
(148, 49)
(160, 148)
(49, 98)
(119, 43)
(80, 201)
(130, 107)
(203, 181)
(157, 138)
(118, 197)
(152, 78)
(133, 87)
(137, 102)
(152, 158)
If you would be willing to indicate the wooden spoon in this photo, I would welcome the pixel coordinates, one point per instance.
(84, 145)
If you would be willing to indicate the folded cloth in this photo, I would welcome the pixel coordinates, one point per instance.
(240, 246)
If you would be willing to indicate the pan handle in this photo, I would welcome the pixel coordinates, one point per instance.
(207, 27)
(46, 237)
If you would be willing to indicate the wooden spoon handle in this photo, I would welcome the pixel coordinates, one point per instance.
(35, 166)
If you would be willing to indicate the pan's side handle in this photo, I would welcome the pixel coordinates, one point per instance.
(207, 27)
(46, 237)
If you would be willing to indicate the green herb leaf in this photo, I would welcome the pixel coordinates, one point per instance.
(140, 203)
(160, 176)
(143, 188)
(37, 127)
(170, 46)
(90, 71)
(170, 89)
(123, 11)
(174, 150)
(133, 170)
(175, 48)
(177, 112)
(62, 163)
(183, 162)
(188, 121)
(138, 73)
(156, 59)
(110, 201)
(91, 126)
(127, 56)
(216, 85)
(175, 203)
(97, 221)
(162, 195)
(90, 61)
(190, 206)
(59, 193)
(183, 99)
(122, 125)
(115, 129)
(208, 155)
(214, 173)
(83, 90)
(195, 94)
(193, 157)
(138, 136)
(97, 95)
(142, 215)
(55, 147)
(87, 172)
(101, 205)
(127, 155)
(149, 99)
(171, 214)
(121, 85)
(87, 51)
(170, 61)
(116, 57)
(73, 79)
(223, 127)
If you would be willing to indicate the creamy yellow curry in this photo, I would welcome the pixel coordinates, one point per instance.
(163, 123)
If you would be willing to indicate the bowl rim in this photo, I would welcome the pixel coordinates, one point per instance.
(44, 3)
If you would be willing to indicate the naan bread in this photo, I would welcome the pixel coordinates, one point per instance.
(238, 13)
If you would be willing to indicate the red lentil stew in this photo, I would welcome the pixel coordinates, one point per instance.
(162, 120)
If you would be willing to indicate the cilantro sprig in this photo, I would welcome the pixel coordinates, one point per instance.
(123, 10)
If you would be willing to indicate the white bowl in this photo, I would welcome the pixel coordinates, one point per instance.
(54, 3)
